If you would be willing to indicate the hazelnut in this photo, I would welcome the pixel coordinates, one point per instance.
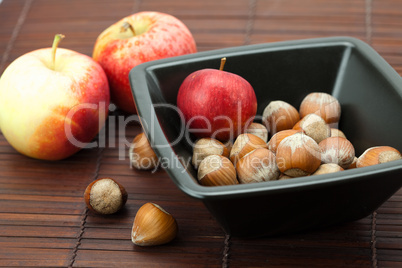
(141, 154)
(353, 165)
(216, 170)
(259, 130)
(378, 155)
(205, 147)
(298, 155)
(229, 145)
(322, 104)
(337, 150)
(105, 196)
(314, 126)
(153, 226)
(327, 168)
(278, 137)
(257, 166)
(279, 115)
(284, 177)
(337, 133)
(244, 144)
(297, 126)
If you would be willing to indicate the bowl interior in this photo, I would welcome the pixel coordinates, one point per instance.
(368, 89)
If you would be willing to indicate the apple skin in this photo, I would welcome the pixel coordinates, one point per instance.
(158, 35)
(222, 99)
(38, 104)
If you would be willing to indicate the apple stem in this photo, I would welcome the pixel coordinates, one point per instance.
(56, 42)
(127, 26)
(223, 61)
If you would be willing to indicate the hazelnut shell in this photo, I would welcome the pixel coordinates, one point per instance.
(205, 147)
(105, 196)
(314, 126)
(378, 155)
(257, 166)
(153, 226)
(244, 144)
(141, 154)
(298, 155)
(279, 115)
(279, 136)
(259, 130)
(322, 104)
(216, 170)
(337, 150)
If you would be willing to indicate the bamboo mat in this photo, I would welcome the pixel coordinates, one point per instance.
(43, 219)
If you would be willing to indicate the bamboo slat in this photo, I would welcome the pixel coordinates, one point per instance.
(43, 219)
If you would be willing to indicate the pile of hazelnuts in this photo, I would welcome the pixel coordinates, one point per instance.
(301, 143)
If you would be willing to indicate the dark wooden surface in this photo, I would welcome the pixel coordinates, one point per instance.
(43, 219)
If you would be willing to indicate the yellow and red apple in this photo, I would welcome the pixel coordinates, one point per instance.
(135, 39)
(52, 104)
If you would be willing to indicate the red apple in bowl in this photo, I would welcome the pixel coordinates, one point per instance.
(216, 103)
(138, 38)
(52, 104)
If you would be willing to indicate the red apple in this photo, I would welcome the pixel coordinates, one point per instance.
(52, 104)
(136, 39)
(216, 103)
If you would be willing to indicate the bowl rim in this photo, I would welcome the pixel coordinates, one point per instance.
(180, 176)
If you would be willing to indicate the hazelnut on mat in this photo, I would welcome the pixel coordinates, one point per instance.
(105, 196)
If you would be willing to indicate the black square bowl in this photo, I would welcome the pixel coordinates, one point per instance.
(368, 89)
